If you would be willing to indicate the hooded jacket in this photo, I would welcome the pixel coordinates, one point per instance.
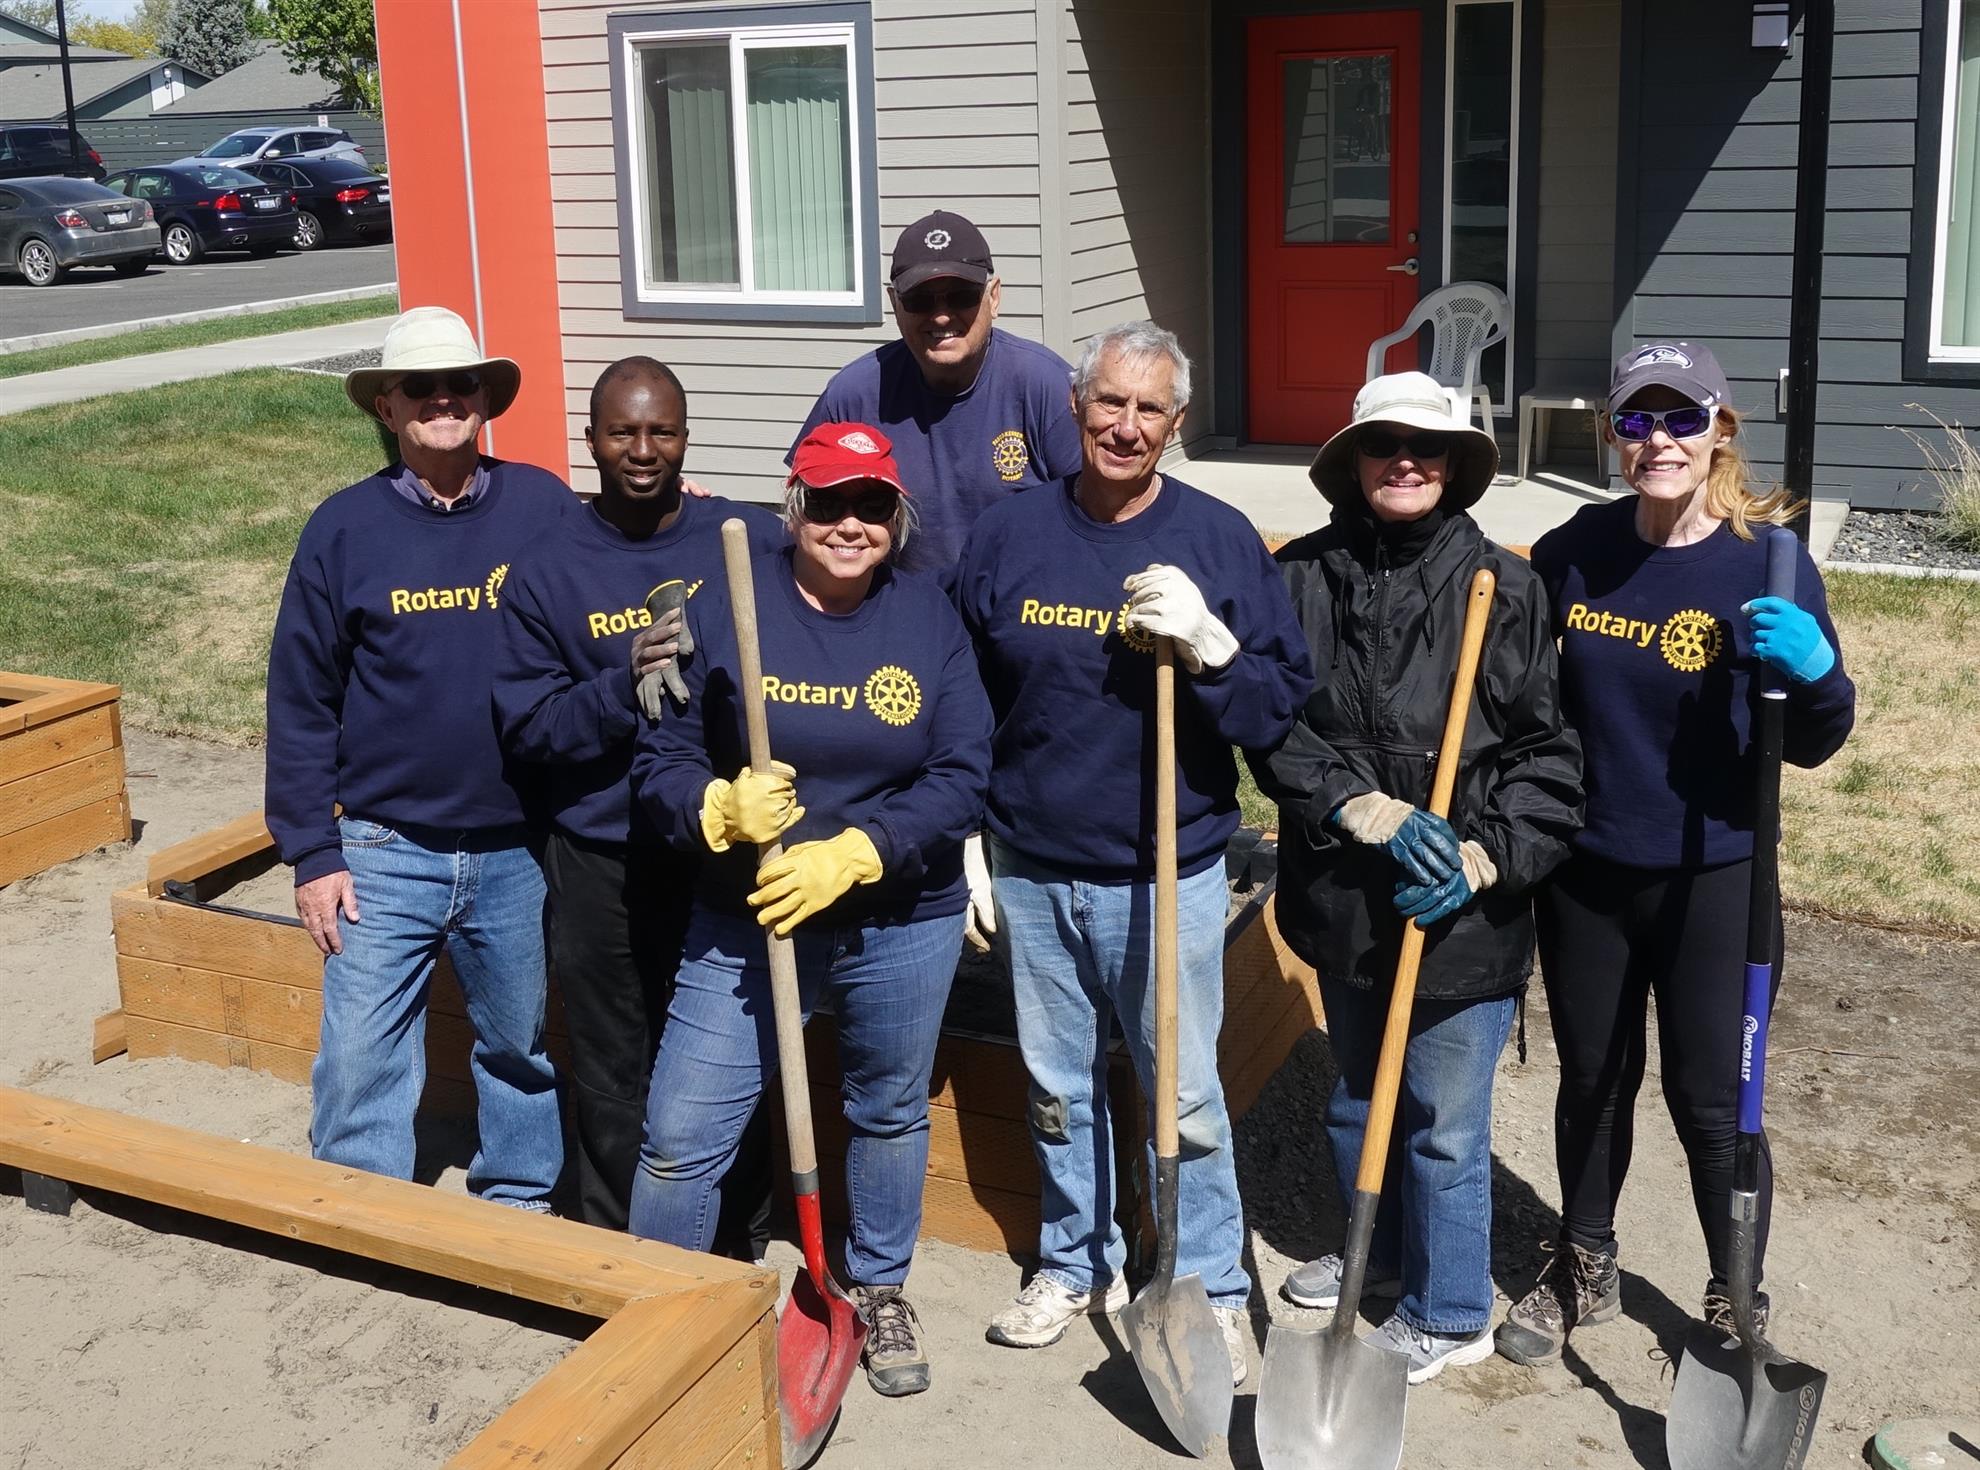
(1383, 614)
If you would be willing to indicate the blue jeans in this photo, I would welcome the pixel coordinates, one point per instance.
(888, 987)
(1434, 1227)
(1080, 952)
(480, 894)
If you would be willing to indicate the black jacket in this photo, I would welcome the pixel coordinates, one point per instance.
(1385, 640)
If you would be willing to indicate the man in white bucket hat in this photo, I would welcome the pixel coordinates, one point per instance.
(379, 701)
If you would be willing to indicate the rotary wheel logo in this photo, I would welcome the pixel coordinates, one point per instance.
(1009, 454)
(893, 695)
(494, 584)
(1139, 639)
(1691, 640)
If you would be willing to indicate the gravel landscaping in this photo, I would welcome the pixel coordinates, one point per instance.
(343, 363)
(1899, 538)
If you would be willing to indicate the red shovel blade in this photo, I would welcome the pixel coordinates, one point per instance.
(819, 1337)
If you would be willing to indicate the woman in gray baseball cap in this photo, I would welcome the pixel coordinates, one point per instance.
(1655, 598)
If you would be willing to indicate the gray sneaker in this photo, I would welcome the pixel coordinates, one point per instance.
(1429, 1353)
(1318, 1283)
(896, 1362)
(1235, 1324)
(1585, 1290)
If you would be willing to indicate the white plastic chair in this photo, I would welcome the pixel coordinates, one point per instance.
(1466, 317)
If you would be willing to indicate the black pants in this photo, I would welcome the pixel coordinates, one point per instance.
(617, 917)
(1610, 937)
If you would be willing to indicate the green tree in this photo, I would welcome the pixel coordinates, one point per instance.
(335, 37)
(34, 12)
(114, 35)
(207, 35)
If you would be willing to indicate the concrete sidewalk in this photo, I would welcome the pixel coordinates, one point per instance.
(124, 374)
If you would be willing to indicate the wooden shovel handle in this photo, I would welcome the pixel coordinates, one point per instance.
(783, 958)
(1166, 939)
(1395, 1035)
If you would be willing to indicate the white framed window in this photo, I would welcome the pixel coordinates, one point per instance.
(745, 156)
(1955, 312)
(1481, 162)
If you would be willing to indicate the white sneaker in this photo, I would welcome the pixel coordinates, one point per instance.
(1429, 1353)
(1234, 1321)
(1043, 1310)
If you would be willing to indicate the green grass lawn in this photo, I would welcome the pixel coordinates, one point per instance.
(194, 334)
(144, 537)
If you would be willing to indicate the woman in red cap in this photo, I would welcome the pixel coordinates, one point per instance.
(872, 694)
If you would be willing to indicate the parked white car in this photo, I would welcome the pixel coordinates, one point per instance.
(246, 145)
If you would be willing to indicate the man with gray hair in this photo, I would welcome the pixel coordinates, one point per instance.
(1065, 592)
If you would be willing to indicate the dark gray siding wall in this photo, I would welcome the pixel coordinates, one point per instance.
(1705, 226)
(1575, 286)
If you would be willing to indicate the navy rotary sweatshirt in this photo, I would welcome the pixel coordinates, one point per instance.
(1073, 781)
(384, 651)
(1657, 678)
(880, 711)
(564, 694)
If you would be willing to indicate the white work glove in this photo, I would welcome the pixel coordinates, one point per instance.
(1163, 601)
(981, 921)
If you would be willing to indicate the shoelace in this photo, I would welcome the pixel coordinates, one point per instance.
(891, 1324)
(1542, 1305)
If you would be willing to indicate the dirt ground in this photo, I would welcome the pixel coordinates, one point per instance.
(139, 1339)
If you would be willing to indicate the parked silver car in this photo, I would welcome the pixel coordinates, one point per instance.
(48, 225)
(279, 141)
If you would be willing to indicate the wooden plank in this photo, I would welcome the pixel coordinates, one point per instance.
(975, 1216)
(589, 1409)
(150, 928)
(37, 700)
(725, 1408)
(967, 1147)
(57, 742)
(188, 861)
(50, 793)
(107, 1038)
(37, 848)
(516, 1252)
(151, 1038)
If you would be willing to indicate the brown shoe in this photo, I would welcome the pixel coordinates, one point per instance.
(1587, 1290)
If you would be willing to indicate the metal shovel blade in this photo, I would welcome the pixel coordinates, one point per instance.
(818, 1341)
(1330, 1403)
(1740, 1406)
(1180, 1351)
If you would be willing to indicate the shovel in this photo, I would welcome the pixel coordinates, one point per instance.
(1327, 1400)
(1169, 1326)
(820, 1332)
(1739, 1404)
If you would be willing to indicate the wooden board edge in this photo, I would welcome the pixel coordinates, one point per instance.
(185, 862)
(53, 699)
(63, 838)
(109, 1037)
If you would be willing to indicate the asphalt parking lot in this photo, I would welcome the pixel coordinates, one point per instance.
(88, 298)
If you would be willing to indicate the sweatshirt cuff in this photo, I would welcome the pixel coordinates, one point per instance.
(625, 691)
(320, 863)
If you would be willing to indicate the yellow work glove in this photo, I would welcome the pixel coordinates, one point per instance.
(810, 876)
(752, 808)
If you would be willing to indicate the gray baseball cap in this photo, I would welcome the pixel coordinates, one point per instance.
(1688, 367)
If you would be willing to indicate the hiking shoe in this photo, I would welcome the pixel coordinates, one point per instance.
(1318, 1283)
(1233, 1321)
(1718, 1310)
(1587, 1289)
(896, 1362)
(1429, 1353)
(1043, 1310)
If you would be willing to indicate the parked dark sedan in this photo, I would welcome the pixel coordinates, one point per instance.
(48, 225)
(202, 207)
(39, 150)
(335, 199)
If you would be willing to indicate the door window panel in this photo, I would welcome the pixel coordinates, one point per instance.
(1336, 180)
(1482, 159)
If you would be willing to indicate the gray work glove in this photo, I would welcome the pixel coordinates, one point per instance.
(658, 650)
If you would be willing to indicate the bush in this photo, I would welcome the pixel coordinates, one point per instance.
(1956, 467)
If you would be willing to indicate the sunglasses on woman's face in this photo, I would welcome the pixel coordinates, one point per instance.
(1381, 444)
(828, 507)
(421, 386)
(921, 301)
(1636, 425)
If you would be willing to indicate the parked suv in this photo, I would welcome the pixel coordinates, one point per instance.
(39, 150)
(249, 144)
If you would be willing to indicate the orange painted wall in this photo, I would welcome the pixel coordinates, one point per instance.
(505, 156)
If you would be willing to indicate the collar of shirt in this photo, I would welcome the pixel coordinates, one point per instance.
(409, 485)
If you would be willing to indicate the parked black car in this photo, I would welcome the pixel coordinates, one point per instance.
(202, 207)
(335, 199)
(41, 150)
(48, 225)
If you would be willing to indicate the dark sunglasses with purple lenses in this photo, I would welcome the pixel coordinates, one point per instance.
(873, 507)
(417, 386)
(1381, 444)
(1636, 425)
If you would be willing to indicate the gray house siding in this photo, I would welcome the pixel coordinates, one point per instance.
(1705, 228)
(1576, 236)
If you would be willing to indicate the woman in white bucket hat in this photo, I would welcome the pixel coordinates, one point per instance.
(1380, 592)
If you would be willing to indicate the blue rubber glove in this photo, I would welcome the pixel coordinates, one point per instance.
(1421, 843)
(1428, 902)
(1788, 638)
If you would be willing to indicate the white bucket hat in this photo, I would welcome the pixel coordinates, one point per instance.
(1415, 401)
(432, 339)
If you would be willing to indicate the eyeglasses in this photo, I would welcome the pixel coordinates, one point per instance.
(1636, 425)
(829, 507)
(921, 301)
(1381, 444)
(417, 386)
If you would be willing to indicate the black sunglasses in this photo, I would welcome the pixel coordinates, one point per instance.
(921, 301)
(1381, 444)
(417, 386)
(829, 507)
(1636, 425)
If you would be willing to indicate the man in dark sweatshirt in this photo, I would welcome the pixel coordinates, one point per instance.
(378, 700)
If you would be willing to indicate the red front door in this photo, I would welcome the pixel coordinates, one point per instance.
(1331, 179)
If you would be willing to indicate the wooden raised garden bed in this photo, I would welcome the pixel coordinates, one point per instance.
(61, 772)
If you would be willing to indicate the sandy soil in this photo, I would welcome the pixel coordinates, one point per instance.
(138, 1339)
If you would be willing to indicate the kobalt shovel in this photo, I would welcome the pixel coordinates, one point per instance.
(1327, 1400)
(1739, 1404)
(1170, 1327)
(820, 1332)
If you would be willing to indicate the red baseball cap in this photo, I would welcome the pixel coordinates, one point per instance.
(836, 454)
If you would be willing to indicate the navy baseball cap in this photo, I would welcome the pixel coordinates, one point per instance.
(940, 244)
(1688, 367)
